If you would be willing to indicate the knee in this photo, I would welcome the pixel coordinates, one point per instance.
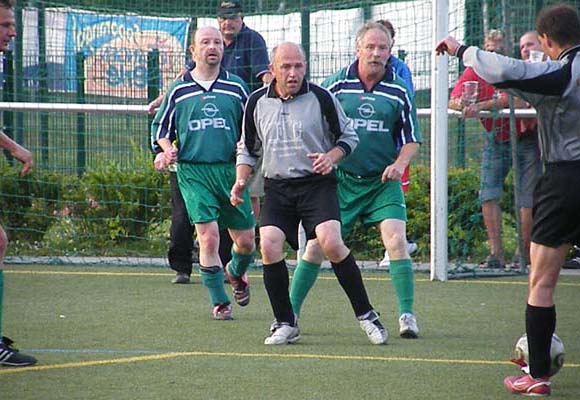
(333, 247)
(209, 242)
(313, 253)
(271, 249)
(396, 245)
(246, 242)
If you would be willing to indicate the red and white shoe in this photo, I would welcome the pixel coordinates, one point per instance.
(222, 312)
(240, 287)
(527, 385)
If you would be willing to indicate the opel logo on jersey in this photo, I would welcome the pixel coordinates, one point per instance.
(211, 122)
(210, 110)
(366, 110)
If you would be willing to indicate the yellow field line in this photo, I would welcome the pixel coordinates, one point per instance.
(367, 278)
(156, 357)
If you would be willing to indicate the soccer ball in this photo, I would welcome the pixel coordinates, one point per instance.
(521, 353)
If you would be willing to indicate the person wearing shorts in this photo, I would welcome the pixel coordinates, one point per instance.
(300, 131)
(551, 87)
(198, 126)
(369, 180)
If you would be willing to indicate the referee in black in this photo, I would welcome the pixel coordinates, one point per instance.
(553, 88)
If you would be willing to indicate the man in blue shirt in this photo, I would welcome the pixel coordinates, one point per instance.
(245, 52)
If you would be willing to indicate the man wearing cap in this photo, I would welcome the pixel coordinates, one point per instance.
(245, 52)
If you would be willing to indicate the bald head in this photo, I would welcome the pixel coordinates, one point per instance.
(286, 48)
(288, 66)
(529, 41)
(207, 46)
(203, 32)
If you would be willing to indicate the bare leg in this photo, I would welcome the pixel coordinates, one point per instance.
(492, 220)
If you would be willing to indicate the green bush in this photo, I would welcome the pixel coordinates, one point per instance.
(109, 211)
(466, 232)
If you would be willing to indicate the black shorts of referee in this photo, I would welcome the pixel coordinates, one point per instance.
(311, 199)
(556, 211)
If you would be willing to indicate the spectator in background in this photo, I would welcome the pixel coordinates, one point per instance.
(528, 151)
(497, 161)
(403, 71)
(552, 88)
(10, 356)
(181, 246)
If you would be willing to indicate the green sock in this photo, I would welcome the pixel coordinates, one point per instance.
(240, 263)
(403, 280)
(303, 279)
(213, 279)
(1, 297)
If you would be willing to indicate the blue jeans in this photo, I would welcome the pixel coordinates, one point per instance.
(497, 162)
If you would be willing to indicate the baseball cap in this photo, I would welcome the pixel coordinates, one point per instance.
(229, 9)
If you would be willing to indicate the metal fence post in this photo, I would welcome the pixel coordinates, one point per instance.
(81, 117)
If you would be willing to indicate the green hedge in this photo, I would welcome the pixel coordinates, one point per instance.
(109, 211)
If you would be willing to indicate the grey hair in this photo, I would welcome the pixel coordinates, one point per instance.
(370, 26)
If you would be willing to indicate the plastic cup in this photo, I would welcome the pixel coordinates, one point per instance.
(536, 56)
(470, 92)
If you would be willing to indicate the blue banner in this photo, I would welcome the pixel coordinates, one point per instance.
(116, 47)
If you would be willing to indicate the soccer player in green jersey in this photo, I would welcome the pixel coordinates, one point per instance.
(369, 180)
(198, 126)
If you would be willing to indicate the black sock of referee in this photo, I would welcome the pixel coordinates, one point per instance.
(540, 325)
(350, 279)
(277, 282)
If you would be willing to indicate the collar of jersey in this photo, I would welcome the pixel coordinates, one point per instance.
(188, 77)
(570, 52)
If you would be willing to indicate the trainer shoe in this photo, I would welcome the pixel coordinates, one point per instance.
(526, 385)
(386, 261)
(240, 287)
(574, 262)
(11, 357)
(492, 262)
(181, 278)
(222, 312)
(408, 328)
(375, 331)
(283, 333)
(411, 247)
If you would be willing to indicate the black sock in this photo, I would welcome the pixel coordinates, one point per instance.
(225, 249)
(540, 326)
(277, 282)
(350, 279)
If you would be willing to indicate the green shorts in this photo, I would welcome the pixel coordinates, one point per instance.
(205, 189)
(368, 199)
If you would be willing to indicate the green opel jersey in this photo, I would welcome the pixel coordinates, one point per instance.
(385, 119)
(204, 124)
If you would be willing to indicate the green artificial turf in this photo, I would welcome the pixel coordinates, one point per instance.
(126, 333)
